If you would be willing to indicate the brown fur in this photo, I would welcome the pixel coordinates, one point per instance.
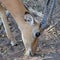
(17, 10)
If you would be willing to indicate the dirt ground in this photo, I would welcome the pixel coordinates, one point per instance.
(49, 45)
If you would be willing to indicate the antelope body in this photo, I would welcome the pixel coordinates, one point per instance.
(17, 10)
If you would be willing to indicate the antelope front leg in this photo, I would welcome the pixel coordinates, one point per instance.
(6, 26)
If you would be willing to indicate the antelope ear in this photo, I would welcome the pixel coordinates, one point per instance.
(29, 18)
(36, 21)
(40, 19)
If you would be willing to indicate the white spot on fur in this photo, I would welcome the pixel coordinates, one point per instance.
(12, 43)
